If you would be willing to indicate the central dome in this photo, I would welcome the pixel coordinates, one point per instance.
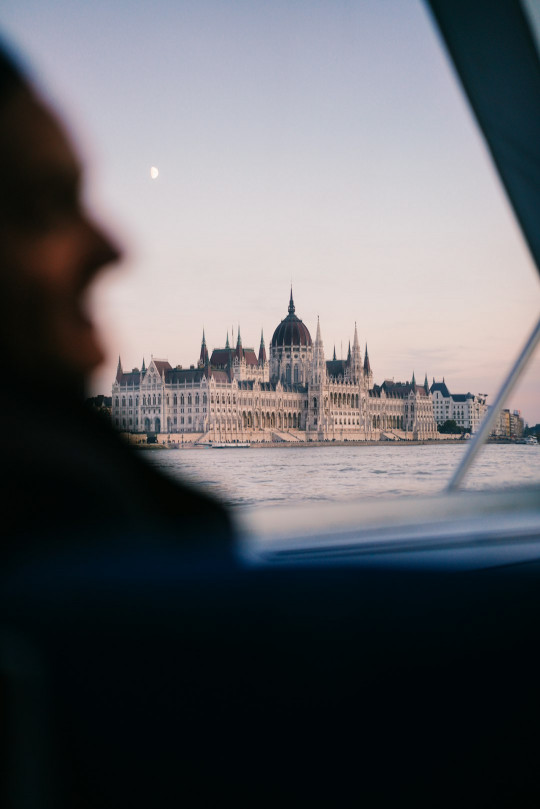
(291, 331)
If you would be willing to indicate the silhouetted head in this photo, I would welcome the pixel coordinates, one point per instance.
(50, 249)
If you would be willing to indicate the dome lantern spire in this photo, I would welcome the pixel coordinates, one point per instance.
(291, 304)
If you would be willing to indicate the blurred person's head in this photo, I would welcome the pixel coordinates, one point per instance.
(50, 249)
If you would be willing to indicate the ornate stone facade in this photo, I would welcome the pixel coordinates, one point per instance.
(294, 395)
(466, 409)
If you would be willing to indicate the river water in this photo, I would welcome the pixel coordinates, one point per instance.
(247, 477)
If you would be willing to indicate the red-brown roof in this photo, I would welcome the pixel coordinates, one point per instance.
(219, 376)
(221, 357)
(250, 356)
(163, 366)
(131, 378)
(335, 368)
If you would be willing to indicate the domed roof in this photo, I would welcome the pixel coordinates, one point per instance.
(291, 331)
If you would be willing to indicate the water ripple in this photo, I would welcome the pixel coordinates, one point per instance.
(288, 475)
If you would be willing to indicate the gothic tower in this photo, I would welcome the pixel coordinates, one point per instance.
(368, 373)
(203, 357)
(356, 359)
(316, 391)
(318, 363)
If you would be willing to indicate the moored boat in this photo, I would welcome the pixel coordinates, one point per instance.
(230, 445)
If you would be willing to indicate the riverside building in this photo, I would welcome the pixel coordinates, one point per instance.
(509, 424)
(466, 409)
(294, 394)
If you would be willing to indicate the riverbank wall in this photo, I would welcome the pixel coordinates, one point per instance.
(276, 440)
(298, 444)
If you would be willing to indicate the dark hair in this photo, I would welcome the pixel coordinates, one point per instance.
(11, 77)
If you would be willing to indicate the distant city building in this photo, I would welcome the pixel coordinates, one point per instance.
(517, 425)
(509, 425)
(501, 427)
(466, 409)
(236, 394)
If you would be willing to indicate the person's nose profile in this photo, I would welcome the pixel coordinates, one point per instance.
(103, 249)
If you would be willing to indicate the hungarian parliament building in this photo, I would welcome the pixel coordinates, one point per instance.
(294, 394)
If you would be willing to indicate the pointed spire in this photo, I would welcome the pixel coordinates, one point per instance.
(143, 369)
(334, 357)
(355, 359)
(367, 366)
(239, 351)
(318, 366)
(349, 353)
(203, 359)
(227, 343)
(426, 384)
(291, 304)
(356, 344)
(119, 370)
(413, 380)
(262, 351)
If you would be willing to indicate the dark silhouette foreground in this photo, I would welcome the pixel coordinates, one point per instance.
(67, 475)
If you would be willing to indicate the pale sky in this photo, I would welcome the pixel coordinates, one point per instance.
(327, 143)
